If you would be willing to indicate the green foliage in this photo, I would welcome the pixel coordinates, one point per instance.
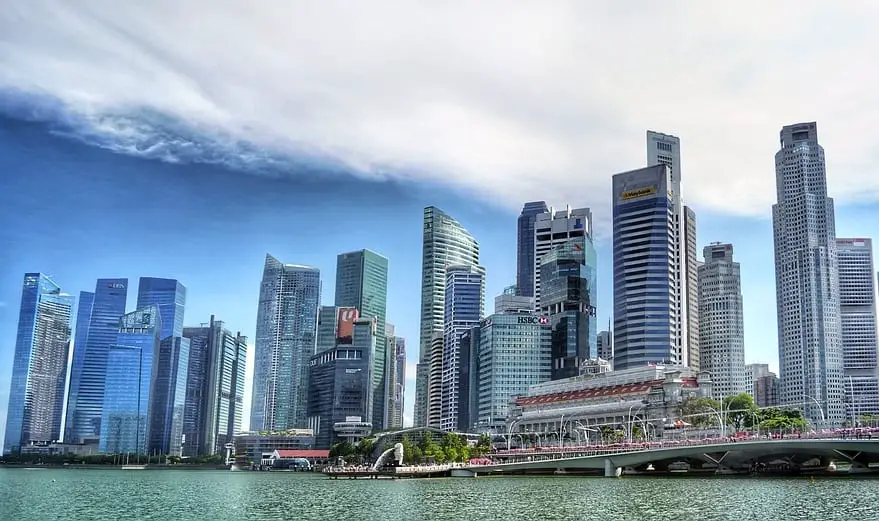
(365, 447)
(778, 418)
(700, 412)
(342, 449)
(741, 409)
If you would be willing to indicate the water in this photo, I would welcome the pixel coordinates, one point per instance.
(183, 495)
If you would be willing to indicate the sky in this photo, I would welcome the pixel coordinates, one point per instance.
(187, 140)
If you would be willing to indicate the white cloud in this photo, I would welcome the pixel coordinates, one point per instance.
(511, 100)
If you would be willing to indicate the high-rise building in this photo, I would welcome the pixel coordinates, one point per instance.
(753, 372)
(525, 261)
(445, 243)
(39, 366)
(465, 297)
(555, 228)
(97, 329)
(395, 371)
(286, 330)
(806, 279)
(510, 301)
(569, 278)
(340, 386)
(214, 388)
(857, 306)
(508, 352)
(171, 362)
(362, 283)
(721, 321)
(605, 344)
(766, 390)
(690, 293)
(127, 398)
(647, 313)
(326, 327)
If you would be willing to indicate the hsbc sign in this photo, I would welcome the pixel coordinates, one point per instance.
(541, 321)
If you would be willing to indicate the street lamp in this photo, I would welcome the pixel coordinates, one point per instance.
(510, 433)
(820, 409)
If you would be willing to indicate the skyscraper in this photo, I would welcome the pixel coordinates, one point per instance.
(665, 149)
(87, 383)
(552, 229)
(721, 321)
(806, 278)
(569, 278)
(646, 275)
(464, 301)
(39, 368)
(857, 303)
(327, 317)
(362, 283)
(445, 243)
(605, 344)
(214, 389)
(125, 411)
(525, 248)
(170, 297)
(286, 327)
(83, 317)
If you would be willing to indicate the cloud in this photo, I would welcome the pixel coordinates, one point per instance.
(507, 101)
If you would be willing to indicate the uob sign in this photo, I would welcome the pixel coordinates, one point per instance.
(534, 320)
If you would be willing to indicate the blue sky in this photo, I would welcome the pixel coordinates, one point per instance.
(146, 139)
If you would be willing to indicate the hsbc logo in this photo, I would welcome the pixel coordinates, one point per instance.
(542, 321)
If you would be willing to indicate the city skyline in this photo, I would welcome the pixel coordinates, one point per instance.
(493, 282)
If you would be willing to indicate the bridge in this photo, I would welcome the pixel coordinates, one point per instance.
(723, 457)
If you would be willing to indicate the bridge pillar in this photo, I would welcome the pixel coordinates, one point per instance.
(611, 470)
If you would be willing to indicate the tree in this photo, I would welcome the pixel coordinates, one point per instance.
(781, 419)
(365, 447)
(343, 449)
(700, 412)
(454, 447)
(742, 410)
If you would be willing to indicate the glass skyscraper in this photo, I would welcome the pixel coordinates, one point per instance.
(568, 296)
(362, 283)
(215, 388)
(525, 247)
(89, 371)
(464, 301)
(286, 329)
(445, 243)
(125, 410)
(39, 367)
(170, 296)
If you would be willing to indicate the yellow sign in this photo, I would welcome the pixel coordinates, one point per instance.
(641, 192)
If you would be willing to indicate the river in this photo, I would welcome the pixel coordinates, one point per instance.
(183, 495)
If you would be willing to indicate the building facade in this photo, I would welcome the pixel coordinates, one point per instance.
(510, 301)
(88, 373)
(39, 366)
(766, 390)
(168, 396)
(647, 290)
(445, 243)
(214, 388)
(807, 280)
(340, 386)
(605, 344)
(395, 368)
(127, 398)
(464, 300)
(857, 305)
(568, 297)
(554, 228)
(525, 251)
(326, 328)
(721, 321)
(362, 283)
(286, 330)
(752, 373)
(170, 297)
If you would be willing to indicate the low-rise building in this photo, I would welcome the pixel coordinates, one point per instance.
(252, 445)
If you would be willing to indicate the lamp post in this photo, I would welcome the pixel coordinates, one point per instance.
(820, 409)
(510, 433)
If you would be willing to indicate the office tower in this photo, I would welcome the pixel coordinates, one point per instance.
(89, 371)
(509, 352)
(552, 229)
(214, 388)
(340, 386)
(525, 261)
(362, 283)
(286, 329)
(445, 243)
(806, 279)
(395, 369)
(170, 297)
(465, 295)
(766, 390)
(468, 380)
(721, 321)
(857, 306)
(754, 372)
(647, 315)
(605, 344)
(569, 278)
(130, 363)
(510, 301)
(326, 328)
(39, 366)
(665, 149)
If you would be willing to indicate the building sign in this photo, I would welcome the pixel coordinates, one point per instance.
(116, 285)
(345, 325)
(534, 320)
(640, 192)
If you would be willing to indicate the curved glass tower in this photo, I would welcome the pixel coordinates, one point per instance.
(286, 330)
(445, 243)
